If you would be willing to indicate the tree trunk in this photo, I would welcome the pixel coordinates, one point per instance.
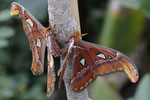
(64, 20)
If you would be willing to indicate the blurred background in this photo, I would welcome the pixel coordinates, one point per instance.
(123, 25)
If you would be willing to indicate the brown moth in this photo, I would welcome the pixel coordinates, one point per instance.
(39, 38)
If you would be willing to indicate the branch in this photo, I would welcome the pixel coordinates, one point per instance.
(64, 21)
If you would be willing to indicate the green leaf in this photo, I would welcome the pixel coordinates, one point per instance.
(5, 57)
(12, 86)
(6, 90)
(3, 43)
(35, 93)
(101, 91)
(130, 3)
(143, 90)
(5, 15)
(6, 32)
(2, 69)
(122, 32)
(6, 93)
(143, 5)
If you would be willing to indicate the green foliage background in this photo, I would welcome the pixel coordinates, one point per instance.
(16, 79)
(121, 33)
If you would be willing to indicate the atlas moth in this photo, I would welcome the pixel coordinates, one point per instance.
(39, 38)
(90, 60)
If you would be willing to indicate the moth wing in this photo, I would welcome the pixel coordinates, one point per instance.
(37, 42)
(50, 73)
(93, 60)
(34, 31)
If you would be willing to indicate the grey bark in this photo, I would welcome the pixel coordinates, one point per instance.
(64, 26)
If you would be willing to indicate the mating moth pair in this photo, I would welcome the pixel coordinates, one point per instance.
(90, 59)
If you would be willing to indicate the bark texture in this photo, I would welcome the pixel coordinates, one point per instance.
(64, 25)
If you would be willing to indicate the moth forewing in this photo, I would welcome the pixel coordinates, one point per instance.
(92, 60)
(50, 74)
(35, 35)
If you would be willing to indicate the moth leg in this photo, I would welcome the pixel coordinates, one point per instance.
(63, 66)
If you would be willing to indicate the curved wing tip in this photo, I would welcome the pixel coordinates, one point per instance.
(37, 73)
(14, 9)
(130, 69)
(14, 3)
(49, 94)
(135, 78)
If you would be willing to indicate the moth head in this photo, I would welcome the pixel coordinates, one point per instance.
(14, 9)
(77, 34)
